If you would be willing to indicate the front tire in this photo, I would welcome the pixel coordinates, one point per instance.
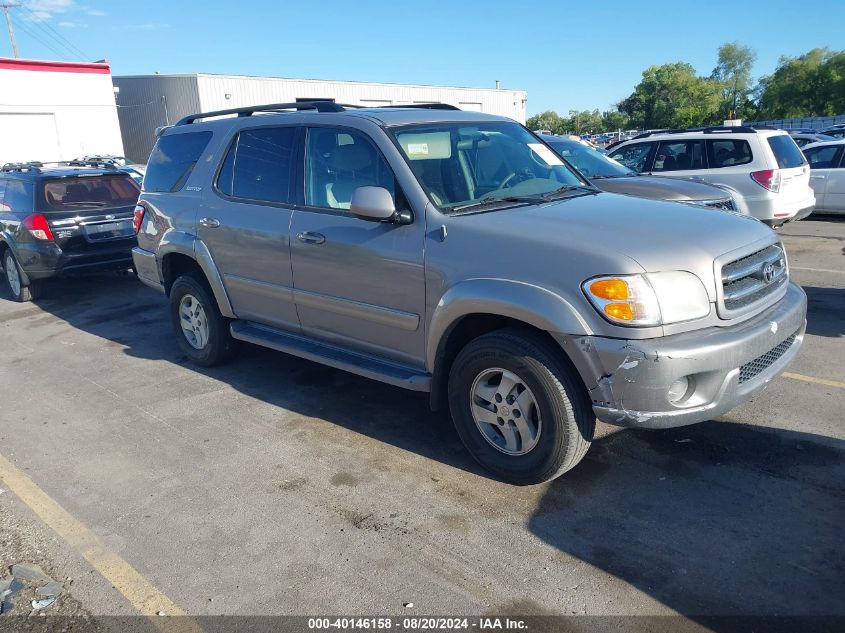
(519, 407)
(20, 292)
(202, 332)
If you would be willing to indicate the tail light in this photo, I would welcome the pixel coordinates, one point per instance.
(768, 179)
(138, 218)
(38, 227)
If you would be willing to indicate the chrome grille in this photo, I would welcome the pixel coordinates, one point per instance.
(726, 204)
(760, 364)
(750, 279)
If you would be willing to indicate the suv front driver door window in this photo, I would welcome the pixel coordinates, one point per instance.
(636, 156)
(358, 283)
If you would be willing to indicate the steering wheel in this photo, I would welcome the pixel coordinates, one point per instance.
(511, 179)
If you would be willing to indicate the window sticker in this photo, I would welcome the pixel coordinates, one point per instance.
(417, 149)
(548, 156)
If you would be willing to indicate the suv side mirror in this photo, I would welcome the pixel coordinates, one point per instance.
(372, 203)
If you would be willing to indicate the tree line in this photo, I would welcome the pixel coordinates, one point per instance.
(674, 96)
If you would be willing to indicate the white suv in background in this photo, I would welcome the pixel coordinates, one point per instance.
(763, 169)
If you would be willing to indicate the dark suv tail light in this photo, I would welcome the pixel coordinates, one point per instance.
(768, 179)
(138, 218)
(38, 227)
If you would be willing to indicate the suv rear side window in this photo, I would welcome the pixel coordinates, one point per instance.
(726, 152)
(18, 197)
(786, 151)
(68, 194)
(679, 156)
(633, 156)
(172, 160)
(258, 165)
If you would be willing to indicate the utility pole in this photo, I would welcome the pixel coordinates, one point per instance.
(6, 6)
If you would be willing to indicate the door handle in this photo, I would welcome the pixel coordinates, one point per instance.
(209, 223)
(311, 238)
(817, 177)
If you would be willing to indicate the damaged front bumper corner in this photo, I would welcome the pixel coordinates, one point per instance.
(628, 380)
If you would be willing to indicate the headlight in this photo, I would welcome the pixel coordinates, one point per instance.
(650, 299)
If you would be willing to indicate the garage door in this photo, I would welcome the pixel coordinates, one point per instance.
(28, 137)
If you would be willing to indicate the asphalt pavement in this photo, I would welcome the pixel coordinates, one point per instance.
(274, 485)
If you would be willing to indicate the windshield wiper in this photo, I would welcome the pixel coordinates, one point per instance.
(551, 195)
(490, 200)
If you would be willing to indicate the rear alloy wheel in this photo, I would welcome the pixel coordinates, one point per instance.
(19, 291)
(519, 406)
(203, 333)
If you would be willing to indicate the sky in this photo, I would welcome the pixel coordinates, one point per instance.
(567, 55)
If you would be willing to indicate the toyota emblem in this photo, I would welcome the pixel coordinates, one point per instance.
(769, 273)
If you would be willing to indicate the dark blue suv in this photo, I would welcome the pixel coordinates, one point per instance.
(63, 218)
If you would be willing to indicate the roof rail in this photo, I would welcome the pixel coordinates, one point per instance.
(104, 163)
(713, 129)
(424, 106)
(28, 166)
(319, 106)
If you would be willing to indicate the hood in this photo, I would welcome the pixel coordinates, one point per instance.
(661, 188)
(600, 234)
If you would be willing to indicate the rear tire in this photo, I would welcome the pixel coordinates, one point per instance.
(20, 292)
(202, 332)
(519, 406)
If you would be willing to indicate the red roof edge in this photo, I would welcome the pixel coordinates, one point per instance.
(8, 63)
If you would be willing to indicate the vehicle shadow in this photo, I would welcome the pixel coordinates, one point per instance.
(825, 307)
(716, 519)
(127, 314)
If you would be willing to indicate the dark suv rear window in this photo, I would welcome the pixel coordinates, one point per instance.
(172, 160)
(786, 151)
(67, 194)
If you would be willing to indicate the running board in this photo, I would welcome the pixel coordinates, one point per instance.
(354, 362)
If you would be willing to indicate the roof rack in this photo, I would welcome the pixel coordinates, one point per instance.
(319, 106)
(714, 129)
(424, 106)
(38, 166)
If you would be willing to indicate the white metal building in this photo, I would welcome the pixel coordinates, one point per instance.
(53, 111)
(149, 101)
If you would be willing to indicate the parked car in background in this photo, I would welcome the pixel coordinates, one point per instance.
(455, 253)
(60, 219)
(837, 131)
(136, 171)
(805, 138)
(764, 167)
(609, 175)
(827, 175)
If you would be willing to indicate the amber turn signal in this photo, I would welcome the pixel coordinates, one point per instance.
(612, 289)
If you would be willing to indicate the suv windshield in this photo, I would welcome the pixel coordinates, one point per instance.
(463, 165)
(588, 161)
(68, 194)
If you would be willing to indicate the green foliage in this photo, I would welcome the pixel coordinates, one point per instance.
(810, 85)
(672, 96)
(733, 74)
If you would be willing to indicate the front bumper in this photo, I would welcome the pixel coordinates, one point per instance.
(628, 380)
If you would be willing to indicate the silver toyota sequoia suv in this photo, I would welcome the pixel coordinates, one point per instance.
(455, 253)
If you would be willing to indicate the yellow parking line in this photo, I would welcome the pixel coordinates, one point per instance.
(148, 600)
(818, 381)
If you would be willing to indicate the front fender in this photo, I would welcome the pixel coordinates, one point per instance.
(524, 302)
